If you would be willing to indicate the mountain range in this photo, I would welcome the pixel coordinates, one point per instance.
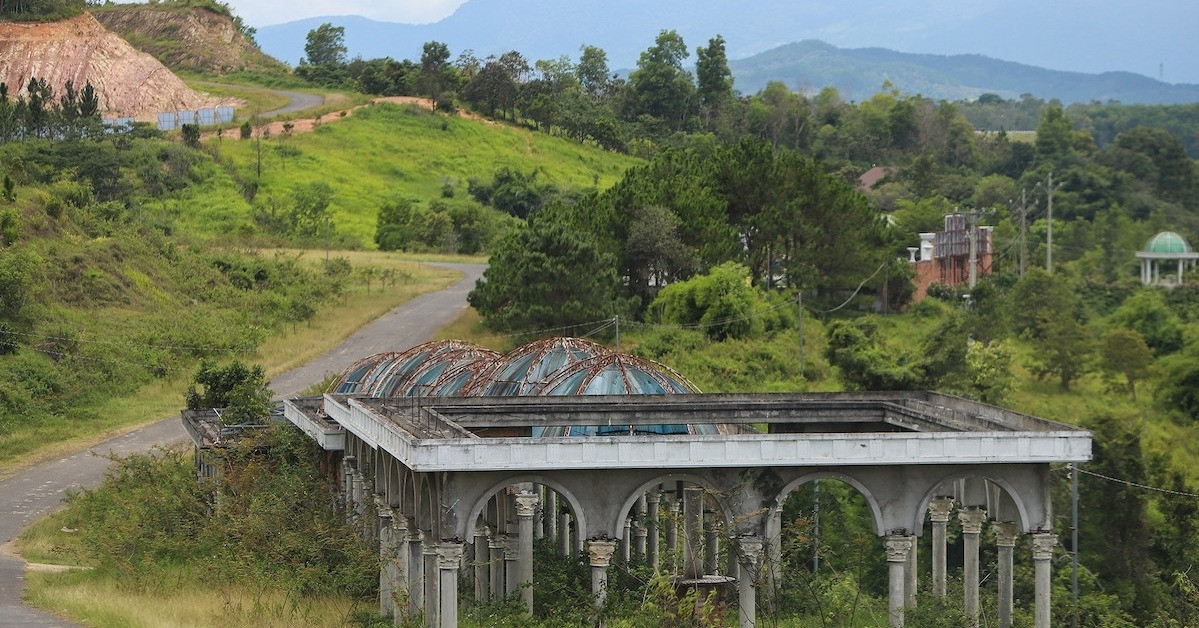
(1091, 37)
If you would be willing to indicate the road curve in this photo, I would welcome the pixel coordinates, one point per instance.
(299, 102)
(38, 490)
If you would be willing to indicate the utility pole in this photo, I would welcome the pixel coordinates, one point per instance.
(1023, 231)
(973, 234)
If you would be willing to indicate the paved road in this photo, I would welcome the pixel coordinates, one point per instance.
(38, 490)
(299, 101)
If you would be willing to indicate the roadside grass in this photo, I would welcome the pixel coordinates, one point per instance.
(95, 601)
(87, 426)
(256, 98)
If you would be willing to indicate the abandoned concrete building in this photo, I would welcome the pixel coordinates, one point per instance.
(455, 459)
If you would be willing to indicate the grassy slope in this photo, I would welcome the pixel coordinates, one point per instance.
(376, 153)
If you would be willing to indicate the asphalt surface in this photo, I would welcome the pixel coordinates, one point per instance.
(299, 102)
(38, 490)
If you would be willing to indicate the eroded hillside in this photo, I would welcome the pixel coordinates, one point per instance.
(80, 50)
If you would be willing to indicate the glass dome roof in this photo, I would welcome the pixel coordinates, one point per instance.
(416, 369)
(525, 370)
(1168, 242)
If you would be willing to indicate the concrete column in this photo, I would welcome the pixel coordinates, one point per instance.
(416, 571)
(432, 595)
(551, 515)
(693, 528)
(567, 547)
(641, 535)
(938, 512)
(1042, 552)
(626, 545)
(388, 570)
(495, 577)
(539, 514)
(672, 530)
(511, 563)
(750, 559)
(909, 578)
(1005, 541)
(898, 547)
(711, 546)
(651, 527)
(526, 507)
(356, 495)
(403, 559)
(482, 556)
(774, 553)
(600, 556)
(449, 557)
(347, 483)
(972, 519)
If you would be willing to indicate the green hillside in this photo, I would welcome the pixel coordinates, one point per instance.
(373, 155)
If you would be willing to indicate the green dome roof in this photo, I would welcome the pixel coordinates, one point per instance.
(1168, 242)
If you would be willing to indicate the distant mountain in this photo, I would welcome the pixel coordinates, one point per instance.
(860, 73)
(1152, 38)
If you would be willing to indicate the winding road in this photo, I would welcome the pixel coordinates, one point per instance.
(38, 490)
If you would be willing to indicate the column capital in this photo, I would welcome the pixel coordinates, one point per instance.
(898, 546)
(600, 551)
(939, 508)
(749, 550)
(972, 519)
(511, 543)
(526, 505)
(382, 507)
(1042, 545)
(1006, 533)
(483, 530)
(449, 554)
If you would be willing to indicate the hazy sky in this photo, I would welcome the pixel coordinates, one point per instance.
(264, 12)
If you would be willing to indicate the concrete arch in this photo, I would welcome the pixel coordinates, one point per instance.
(466, 525)
(631, 499)
(963, 474)
(876, 514)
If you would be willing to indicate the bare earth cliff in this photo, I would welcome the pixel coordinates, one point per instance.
(129, 82)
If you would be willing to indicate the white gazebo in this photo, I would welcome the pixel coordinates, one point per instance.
(1166, 246)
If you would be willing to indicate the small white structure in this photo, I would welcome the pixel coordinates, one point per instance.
(1166, 246)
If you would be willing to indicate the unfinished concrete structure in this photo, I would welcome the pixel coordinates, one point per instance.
(464, 483)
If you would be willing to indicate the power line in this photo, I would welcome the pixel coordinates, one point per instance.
(1140, 486)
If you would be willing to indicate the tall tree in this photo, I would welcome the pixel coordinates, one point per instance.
(660, 87)
(592, 71)
(325, 46)
(713, 77)
(434, 64)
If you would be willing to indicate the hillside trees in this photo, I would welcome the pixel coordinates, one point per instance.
(325, 60)
(660, 88)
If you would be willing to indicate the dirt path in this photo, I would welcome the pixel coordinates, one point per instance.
(306, 125)
(33, 493)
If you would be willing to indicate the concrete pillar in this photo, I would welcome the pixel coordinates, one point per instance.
(449, 557)
(539, 514)
(403, 558)
(898, 547)
(416, 571)
(511, 563)
(626, 545)
(551, 515)
(432, 595)
(972, 519)
(347, 483)
(567, 547)
(600, 556)
(526, 507)
(642, 537)
(495, 577)
(711, 545)
(1042, 552)
(652, 500)
(774, 553)
(1005, 541)
(938, 512)
(388, 570)
(750, 559)
(482, 557)
(672, 530)
(693, 528)
(909, 578)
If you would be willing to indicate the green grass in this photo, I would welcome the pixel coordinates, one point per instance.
(377, 153)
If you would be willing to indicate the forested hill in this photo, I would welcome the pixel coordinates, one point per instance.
(1098, 40)
(858, 73)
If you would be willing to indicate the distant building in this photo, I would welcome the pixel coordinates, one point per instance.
(1169, 248)
(944, 256)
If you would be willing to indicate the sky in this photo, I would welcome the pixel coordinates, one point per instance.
(266, 12)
